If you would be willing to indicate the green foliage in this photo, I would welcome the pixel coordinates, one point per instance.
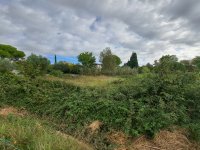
(87, 59)
(188, 65)
(194, 131)
(55, 59)
(6, 65)
(121, 71)
(109, 61)
(28, 133)
(133, 62)
(196, 62)
(144, 69)
(35, 66)
(67, 67)
(90, 71)
(56, 73)
(7, 51)
(117, 60)
(140, 104)
(168, 64)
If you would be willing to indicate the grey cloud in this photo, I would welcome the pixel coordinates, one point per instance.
(66, 27)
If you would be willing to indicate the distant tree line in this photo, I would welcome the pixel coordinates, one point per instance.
(109, 63)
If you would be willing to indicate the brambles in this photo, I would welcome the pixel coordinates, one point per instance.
(142, 104)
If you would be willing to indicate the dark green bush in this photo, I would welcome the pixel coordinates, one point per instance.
(6, 65)
(194, 131)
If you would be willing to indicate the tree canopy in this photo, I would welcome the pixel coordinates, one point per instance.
(196, 62)
(87, 59)
(109, 60)
(133, 62)
(7, 51)
(35, 65)
(168, 64)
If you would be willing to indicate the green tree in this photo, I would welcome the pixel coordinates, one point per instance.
(150, 66)
(7, 51)
(108, 60)
(35, 65)
(188, 65)
(117, 60)
(87, 59)
(133, 62)
(168, 64)
(62, 66)
(196, 62)
(55, 59)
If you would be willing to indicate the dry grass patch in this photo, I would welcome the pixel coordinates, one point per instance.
(12, 111)
(164, 140)
(84, 81)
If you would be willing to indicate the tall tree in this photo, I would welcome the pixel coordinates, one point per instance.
(117, 60)
(108, 60)
(7, 51)
(87, 59)
(55, 59)
(133, 62)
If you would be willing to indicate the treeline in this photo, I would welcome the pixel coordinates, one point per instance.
(34, 65)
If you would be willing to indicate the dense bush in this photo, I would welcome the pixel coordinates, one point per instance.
(6, 65)
(90, 71)
(34, 66)
(67, 67)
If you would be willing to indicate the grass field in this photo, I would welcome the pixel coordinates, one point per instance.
(27, 133)
(85, 81)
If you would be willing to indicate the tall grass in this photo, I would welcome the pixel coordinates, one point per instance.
(29, 134)
(85, 81)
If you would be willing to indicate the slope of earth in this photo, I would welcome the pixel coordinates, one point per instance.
(19, 131)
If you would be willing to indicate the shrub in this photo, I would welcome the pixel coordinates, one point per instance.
(120, 71)
(194, 131)
(34, 66)
(56, 73)
(6, 65)
(90, 71)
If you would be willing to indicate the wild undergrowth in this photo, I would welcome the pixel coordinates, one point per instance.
(141, 104)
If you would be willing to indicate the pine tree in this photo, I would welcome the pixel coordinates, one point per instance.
(133, 62)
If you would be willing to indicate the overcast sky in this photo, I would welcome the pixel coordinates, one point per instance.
(151, 28)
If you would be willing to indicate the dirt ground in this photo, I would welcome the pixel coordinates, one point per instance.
(164, 140)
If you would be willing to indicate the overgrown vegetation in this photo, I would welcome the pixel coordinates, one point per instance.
(143, 104)
(31, 134)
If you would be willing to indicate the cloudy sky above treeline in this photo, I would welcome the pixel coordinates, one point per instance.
(151, 28)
